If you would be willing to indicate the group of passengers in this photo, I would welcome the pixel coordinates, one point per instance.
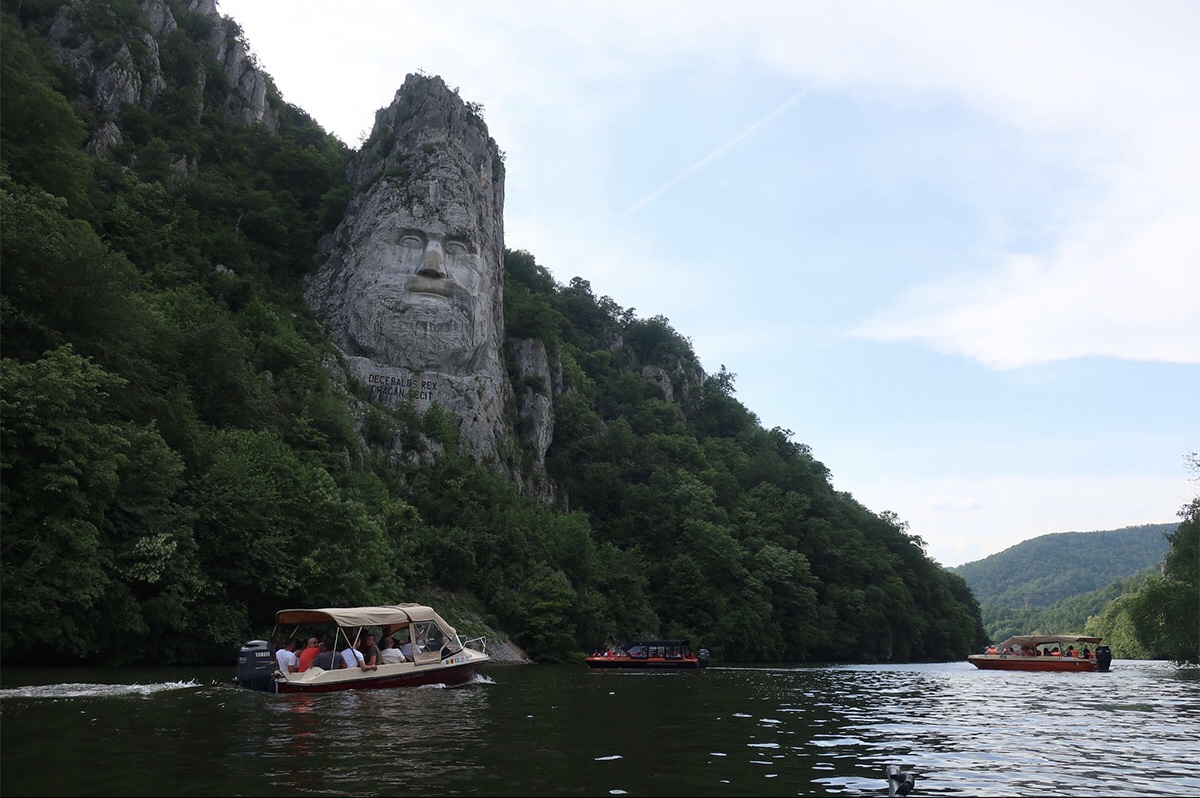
(297, 657)
(1038, 651)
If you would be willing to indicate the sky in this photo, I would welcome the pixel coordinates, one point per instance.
(953, 247)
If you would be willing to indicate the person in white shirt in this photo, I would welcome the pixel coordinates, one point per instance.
(389, 654)
(286, 657)
(354, 659)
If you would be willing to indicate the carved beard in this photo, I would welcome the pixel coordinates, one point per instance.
(424, 332)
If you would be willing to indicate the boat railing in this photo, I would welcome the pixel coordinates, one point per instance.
(477, 643)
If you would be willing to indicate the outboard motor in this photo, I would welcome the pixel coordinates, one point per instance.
(702, 658)
(256, 666)
(1103, 658)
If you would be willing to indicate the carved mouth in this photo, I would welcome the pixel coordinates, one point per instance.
(439, 286)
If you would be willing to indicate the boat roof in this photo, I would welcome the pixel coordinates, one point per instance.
(386, 615)
(1026, 641)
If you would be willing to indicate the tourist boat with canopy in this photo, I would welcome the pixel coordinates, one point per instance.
(437, 654)
(654, 654)
(1063, 653)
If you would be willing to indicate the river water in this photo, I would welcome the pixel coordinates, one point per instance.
(534, 730)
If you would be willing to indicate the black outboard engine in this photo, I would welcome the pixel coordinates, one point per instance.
(256, 666)
(702, 658)
(1103, 658)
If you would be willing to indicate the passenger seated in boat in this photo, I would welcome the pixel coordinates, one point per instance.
(286, 657)
(369, 650)
(355, 659)
(1070, 651)
(306, 656)
(389, 654)
(325, 659)
(1087, 654)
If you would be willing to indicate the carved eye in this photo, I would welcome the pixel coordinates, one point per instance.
(414, 242)
(455, 248)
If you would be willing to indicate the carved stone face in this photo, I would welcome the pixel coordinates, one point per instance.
(438, 263)
(413, 279)
(424, 299)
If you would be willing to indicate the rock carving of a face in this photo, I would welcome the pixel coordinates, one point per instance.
(412, 282)
(425, 297)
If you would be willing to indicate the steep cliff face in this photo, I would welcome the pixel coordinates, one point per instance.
(111, 77)
(412, 280)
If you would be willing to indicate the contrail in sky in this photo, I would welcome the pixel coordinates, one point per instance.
(715, 154)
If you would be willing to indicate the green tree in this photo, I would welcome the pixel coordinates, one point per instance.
(88, 505)
(41, 137)
(1166, 611)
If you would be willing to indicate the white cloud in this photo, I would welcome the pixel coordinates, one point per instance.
(1111, 84)
(1122, 283)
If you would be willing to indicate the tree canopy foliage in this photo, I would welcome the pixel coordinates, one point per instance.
(1150, 609)
(178, 464)
(1165, 612)
(1042, 571)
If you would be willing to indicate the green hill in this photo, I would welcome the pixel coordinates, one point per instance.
(1036, 574)
(1055, 583)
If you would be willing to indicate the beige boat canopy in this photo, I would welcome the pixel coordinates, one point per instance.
(388, 615)
(1029, 641)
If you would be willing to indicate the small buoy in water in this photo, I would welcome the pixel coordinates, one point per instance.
(899, 782)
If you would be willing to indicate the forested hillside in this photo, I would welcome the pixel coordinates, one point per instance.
(1040, 572)
(1087, 582)
(178, 463)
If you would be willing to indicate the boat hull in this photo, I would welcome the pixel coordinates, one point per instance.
(450, 676)
(1007, 662)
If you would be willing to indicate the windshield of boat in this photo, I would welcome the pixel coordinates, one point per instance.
(664, 649)
(428, 636)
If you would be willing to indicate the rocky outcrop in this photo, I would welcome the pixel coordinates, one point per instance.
(412, 279)
(535, 403)
(110, 80)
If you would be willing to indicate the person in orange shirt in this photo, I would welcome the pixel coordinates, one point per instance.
(306, 656)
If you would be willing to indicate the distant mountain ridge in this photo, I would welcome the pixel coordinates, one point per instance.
(1038, 573)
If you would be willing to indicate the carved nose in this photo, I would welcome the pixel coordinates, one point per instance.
(431, 263)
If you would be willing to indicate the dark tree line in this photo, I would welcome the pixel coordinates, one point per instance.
(177, 463)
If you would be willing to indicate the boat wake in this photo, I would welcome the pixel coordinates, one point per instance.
(85, 690)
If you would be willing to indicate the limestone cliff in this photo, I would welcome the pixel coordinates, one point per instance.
(411, 283)
(412, 280)
(111, 78)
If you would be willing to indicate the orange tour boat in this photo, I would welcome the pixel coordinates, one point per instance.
(1069, 653)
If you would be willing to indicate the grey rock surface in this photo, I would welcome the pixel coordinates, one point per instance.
(413, 277)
